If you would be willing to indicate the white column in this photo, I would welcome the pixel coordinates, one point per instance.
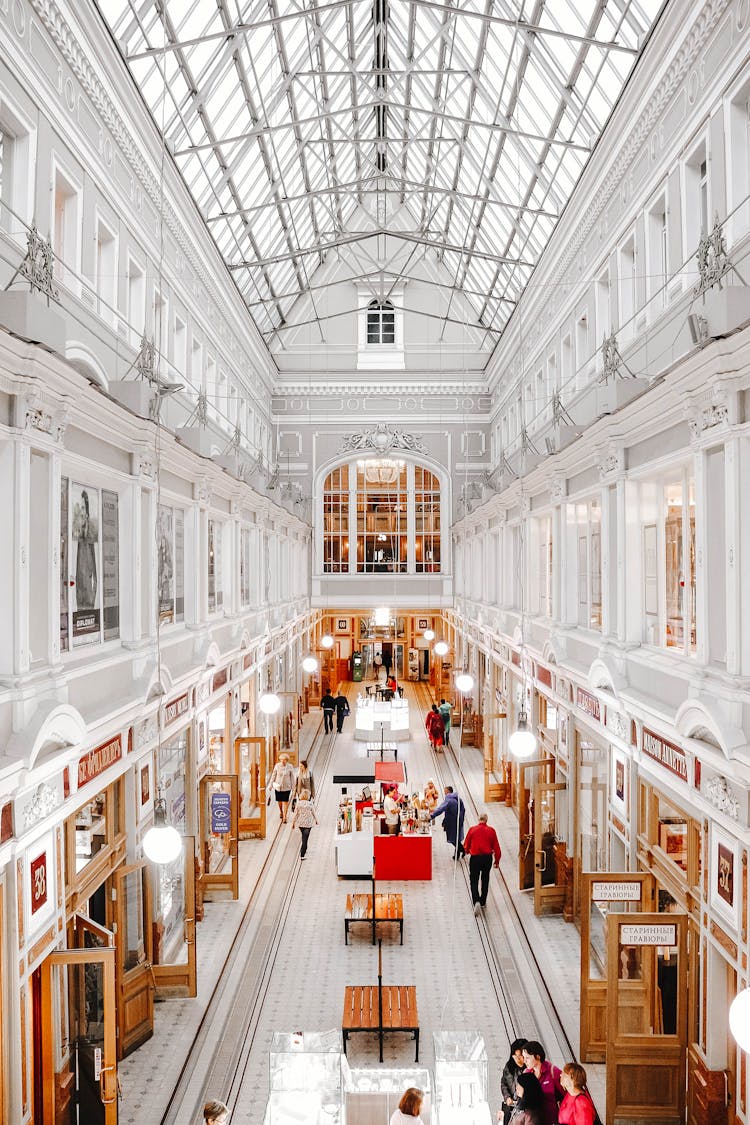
(733, 571)
(411, 522)
(20, 507)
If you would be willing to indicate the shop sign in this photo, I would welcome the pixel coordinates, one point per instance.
(38, 875)
(220, 678)
(589, 704)
(99, 760)
(616, 892)
(221, 813)
(725, 874)
(544, 675)
(176, 707)
(665, 753)
(658, 933)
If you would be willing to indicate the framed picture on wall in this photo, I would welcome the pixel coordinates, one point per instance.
(725, 894)
(423, 623)
(342, 624)
(145, 784)
(619, 779)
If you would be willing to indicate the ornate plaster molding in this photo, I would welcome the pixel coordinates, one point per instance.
(707, 418)
(721, 796)
(202, 490)
(30, 414)
(144, 464)
(611, 460)
(382, 438)
(42, 804)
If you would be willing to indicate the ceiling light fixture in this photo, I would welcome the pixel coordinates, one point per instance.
(162, 843)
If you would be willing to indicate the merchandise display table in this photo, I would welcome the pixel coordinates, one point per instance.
(403, 857)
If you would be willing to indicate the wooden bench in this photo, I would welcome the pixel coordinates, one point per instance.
(380, 1008)
(381, 748)
(388, 908)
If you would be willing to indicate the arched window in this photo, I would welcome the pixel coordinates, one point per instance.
(389, 510)
(381, 323)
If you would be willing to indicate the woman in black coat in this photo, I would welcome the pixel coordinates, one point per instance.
(514, 1066)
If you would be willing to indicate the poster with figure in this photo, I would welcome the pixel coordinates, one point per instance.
(84, 534)
(165, 541)
(110, 564)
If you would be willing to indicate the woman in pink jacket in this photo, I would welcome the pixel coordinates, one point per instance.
(549, 1079)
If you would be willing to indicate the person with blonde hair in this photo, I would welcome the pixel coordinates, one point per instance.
(282, 781)
(409, 1108)
(304, 818)
(576, 1108)
(431, 795)
(215, 1113)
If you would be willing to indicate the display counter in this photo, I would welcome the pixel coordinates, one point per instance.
(306, 1079)
(355, 833)
(461, 1079)
(403, 857)
(374, 718)
(370, 1096)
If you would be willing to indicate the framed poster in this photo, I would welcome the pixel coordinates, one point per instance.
(145, 784)
(423, 623)
(725, 892)
(84, 533)
(342, 624)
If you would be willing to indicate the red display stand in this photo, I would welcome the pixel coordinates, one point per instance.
(403, 857)
(390, 771)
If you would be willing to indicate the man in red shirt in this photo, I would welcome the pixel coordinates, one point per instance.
(481, 844)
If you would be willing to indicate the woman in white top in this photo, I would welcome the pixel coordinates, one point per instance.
(392, 813)
(409, 1108)
(282, 781)
(304, 818)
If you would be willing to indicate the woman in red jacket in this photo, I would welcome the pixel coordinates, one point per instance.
(576, 1107)
(435, 727)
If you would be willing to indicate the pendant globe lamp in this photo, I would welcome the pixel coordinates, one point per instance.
(310, 664)
(739, 1019)
(522, 742)
(162, 843)
(465, 682)
(441, 648)
(429, 634)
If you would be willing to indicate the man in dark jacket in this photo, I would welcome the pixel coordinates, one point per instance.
(328, 703)
(453, 811)
(342, 710)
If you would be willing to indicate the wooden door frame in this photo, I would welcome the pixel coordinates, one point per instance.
(82, 923)
(541, 893)
(231, 879)
(253, 827)
(654, 1056)
(523, 812)
(593, 991)
(126, 980)
(67, 958)
(181, 979)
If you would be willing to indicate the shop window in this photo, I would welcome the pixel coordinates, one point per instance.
(672, 828)
(106, 271)
(426, 521)
(16, 172)
(592, 803)
(245, 565)
(171, 564)
(697, 204)
(589, 563)
(94, 829)
(628, 297)
(215, 576)
(171, 772)
(381, 516)
(66, 229)
(89, 565)
(669, 569)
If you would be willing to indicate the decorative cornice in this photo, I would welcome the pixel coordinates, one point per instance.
(30, 414)
(707, 418)
(382, 438)
(41, 805)
(611, 461)
(720, 795)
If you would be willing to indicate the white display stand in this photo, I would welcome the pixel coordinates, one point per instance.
(375, 715)
(354, 849)
(461, 1078)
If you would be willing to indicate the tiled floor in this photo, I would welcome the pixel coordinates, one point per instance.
(289, 965)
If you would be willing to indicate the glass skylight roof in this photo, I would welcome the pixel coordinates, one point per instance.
(309, 127)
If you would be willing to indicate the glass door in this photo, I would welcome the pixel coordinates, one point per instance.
(527, 776)
(78, 1034)
(173, 951)
(549, 876)
(219, 804)
(250, 767)
(135, 979)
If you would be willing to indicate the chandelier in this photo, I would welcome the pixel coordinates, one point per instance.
(381, 471)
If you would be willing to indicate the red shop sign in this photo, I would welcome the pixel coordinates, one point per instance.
(672, 757)
(98, 760)
(589, 703)
(176, 707)
(38, 873)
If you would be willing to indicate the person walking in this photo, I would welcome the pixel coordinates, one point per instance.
(305, 780)
(577, 1107)
(445, 710)
(508, 1082)
(377, 663)
(435, 728)
(452, 810)
(304, 818)
(549, 1079)
(215, 1113)
(328, 703)
(282, 782)
(342, 710)
(481, 844)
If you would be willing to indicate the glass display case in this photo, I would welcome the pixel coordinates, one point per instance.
(306, 1078)
(461, 1079)
(389, 716)
(371, 1095)
(353, 841)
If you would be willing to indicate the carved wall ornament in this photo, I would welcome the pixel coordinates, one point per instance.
(709, 417)
(30, 414)
(145, 731)
(202, 491)
(382, 438)
(144, 465)
(612, 461)
(719, 793)
(41, 805)
(617, 723)
(713, 259)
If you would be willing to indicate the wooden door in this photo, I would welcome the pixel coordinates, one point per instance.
(78, 1034)
(250, 767)
(173, 925)
(134, 979)
(549, 883)
(219, 817)
(600, 890)
(646, 1026)
(526, 779)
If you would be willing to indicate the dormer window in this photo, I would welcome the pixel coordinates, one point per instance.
(381, 323)
(380, 332)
